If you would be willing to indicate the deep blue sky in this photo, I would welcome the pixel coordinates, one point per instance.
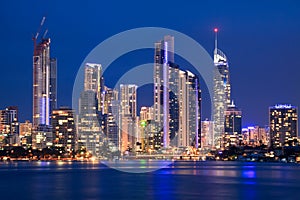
(260, 38)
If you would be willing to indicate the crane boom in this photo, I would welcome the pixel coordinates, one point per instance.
(40, 27)
(45, 33)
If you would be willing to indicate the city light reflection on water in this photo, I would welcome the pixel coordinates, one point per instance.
(179, 180)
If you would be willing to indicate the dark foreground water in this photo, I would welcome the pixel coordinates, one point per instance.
(181, 180)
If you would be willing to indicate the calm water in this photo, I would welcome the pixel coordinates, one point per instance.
(181, 180)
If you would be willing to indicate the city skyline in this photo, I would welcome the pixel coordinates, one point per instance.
(149, 99)
(238, 50)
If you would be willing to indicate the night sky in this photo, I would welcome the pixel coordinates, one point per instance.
(260, 38)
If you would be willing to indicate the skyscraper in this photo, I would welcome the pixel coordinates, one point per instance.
(89, 120)
(110, 118)
(189, 98)
(93, 80)
(283, 120)
(233, 126)
(53, 84)
(193, 109)
(41, 83)
(221, 95)
(89, 129)
(128, 100)
(163, 59)
(128, 116)
(44, 82)
(177, 99)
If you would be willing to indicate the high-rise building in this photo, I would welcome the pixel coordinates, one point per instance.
(110, 119)
(283, 120)
(89, 122)
(145, 134)
(9, 126)
(207, 134)
(189, 100)
(221, 95)
(163, 58)
(93, 80)
(44, 83)
(108, 95)
(128, 100)
(151, 135)
(233, 126)
(177, 99)
(89, 128)
(113, 125)
(63, 127)
(53, 84)
(128, 116)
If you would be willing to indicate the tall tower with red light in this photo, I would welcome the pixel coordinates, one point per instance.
(222, 92)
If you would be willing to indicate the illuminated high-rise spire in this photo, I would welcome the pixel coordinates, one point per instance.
(222, 91)
(216, 40)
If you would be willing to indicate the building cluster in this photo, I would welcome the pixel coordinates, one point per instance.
(108, 119)
(109, 123)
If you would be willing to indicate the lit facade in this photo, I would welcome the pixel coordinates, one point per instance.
(177, 99)
(283, 121)
(113, 125)
(44, 83)
(64, 131)
(90, 117)
(9, 126)
(145, 138)
(53, 84)
(163, 57)
(189, 98)
(255, 136)
(146, 113)
(110, 119)
(151, 133)
(221, 93)
(89, 129)
(93, 80)
(207, 134)
(42, 137)
(233, 127)
(25, 134)
(128, 116)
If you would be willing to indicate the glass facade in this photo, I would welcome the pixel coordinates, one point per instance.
(221, 95)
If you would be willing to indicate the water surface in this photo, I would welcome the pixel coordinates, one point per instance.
(180, 180)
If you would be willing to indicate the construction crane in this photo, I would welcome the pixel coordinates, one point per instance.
(45, 33)
(34, 38)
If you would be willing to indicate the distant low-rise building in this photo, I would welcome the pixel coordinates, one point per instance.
(26, 134)
(255, 136)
